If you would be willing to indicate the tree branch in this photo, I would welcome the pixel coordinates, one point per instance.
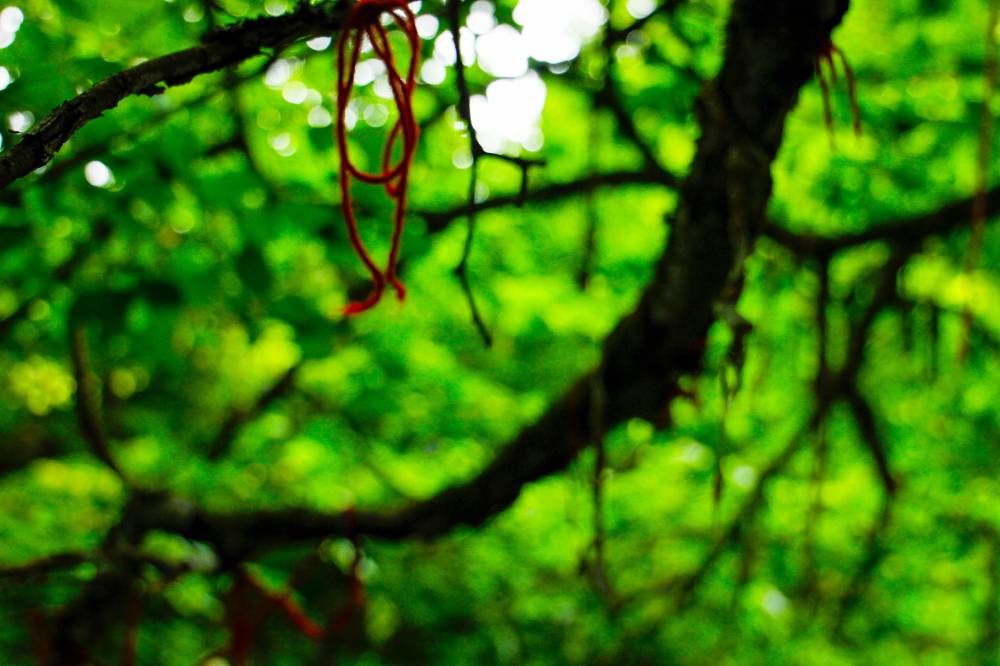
(666, 8)
(687, 585)
(88, 402)
(875, 550)
(438, 220)
(21, 451)
(477, 152)
(864, 416)
(911, 229)
(43, 566)
(609, 98)
(231, 427)
(218, 50)
(742, 117)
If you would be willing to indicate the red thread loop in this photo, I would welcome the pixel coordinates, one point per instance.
(365, 21)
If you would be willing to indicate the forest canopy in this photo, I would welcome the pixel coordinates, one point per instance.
(697, 364)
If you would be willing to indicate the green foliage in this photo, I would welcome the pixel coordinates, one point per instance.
(213, 260)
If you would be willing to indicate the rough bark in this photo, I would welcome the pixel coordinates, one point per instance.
(220, 49)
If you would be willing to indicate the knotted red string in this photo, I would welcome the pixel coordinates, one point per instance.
(365, 21)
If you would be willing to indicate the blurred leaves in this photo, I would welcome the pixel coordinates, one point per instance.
(227, 265)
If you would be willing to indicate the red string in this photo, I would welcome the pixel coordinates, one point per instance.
(250, 603)
(365, 21)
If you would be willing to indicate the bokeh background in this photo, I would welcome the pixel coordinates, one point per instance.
(187, 254)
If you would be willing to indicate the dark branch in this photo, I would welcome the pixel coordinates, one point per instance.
(912, 229)
(885, 295)
(666, 8)
(439, 220)
(231, 427)
(220, 49)
(649, 351)
(21, 451)
(609, 97)
(875, 550)
(592, 218)
(477, 152)
(465, 99)
(88, 401)
(43, 566)
(687, 586)
(864, 416)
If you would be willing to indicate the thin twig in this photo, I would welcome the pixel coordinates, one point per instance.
(477, 152)
(223, 441)
(909, 230)
(874, 552)
(610, 99)
(88, 402)
(465, 111)
(43, 566)
(462, 270)
(592, 221)
(864, 416)
(821, 441)
(597, 428)
(666, 8)
(609, 95)
(686, 585)
(979, 206)
(438, 220)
